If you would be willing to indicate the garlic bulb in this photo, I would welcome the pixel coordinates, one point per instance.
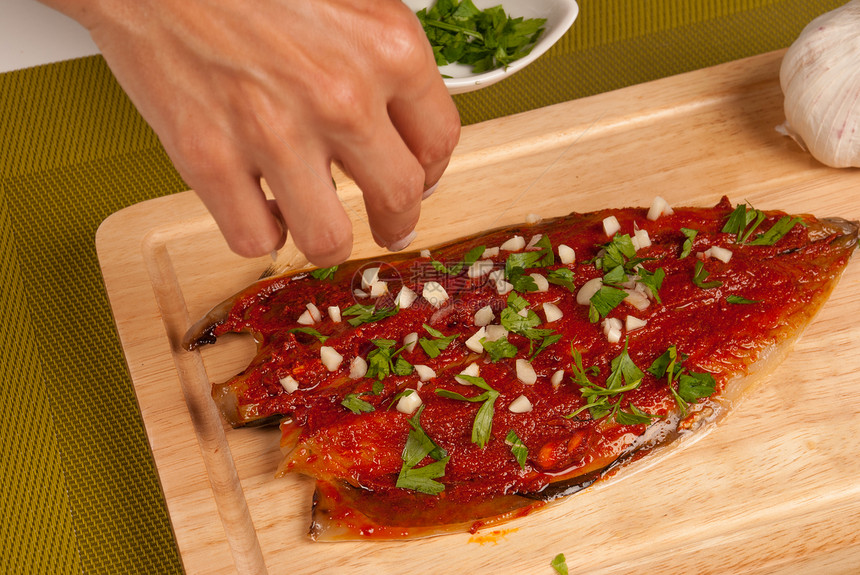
(820, 78)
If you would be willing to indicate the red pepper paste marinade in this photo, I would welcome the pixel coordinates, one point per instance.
(362, 452)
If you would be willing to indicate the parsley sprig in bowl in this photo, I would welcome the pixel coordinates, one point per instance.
(479, 42)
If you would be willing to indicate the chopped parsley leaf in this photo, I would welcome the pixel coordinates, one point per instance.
(482, 426)
(418, 446)
(700, 274)
(687, 247)
(433, 347)
(499, 349)
(324, 273)
(737, 299)
(384, 360)
(604, 301)
(559, 564)
(367, 313)
(518, 448)
(309, 331)
(562, 277)
(355, 404)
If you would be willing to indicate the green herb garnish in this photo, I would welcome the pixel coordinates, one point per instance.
(484, 39)
(559, 564)
(518, 448)
(691, 385)
(700, 274)
(499, 349)
(367, 313)
(652, 280)
(736, 299)
(418, 446)
(624, 376)
(744, 221)
(562, 277)
(385, 360)
(355, 404)
(309, 331)
(687, 247)
(433, 347)
(483, 423)
(604, 301)
(324, 273)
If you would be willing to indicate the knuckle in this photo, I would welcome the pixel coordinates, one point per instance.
(251, 245)
(440, 148)
(199, 155)
(405, 195)
(329, 247)
(405, 48)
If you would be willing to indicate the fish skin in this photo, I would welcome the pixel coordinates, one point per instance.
(356, 457)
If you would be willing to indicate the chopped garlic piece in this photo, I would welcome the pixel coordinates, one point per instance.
(525, 372)
(612, 329)
(491, 252)
(306, 318)
(435, 294)
(409, 341)
(566, 254)
(484, 316)
(557, 378)
(533, 242)
(424, 253)
(632, 323)
(496, 332)
(405, 298)
(409, 402)
(719, 253)
(640, 240)
(659, 207)
(514, 244)
(357, 367)
(532, 219)
(334, 313)
(472, 370)
(637, 298)
(611, 226)
(474, 342)
(315, 312)
(504, 287)
(330, 357)
(480, 268)
(587, 291)
(378, 288)
(552, 312)
(289, 384)
(541, 282)
(369, 276)
(424, 372)
(520, 405)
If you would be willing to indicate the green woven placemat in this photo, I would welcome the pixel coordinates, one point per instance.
(80, 490)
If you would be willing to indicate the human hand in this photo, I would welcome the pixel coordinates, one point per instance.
(276, 89)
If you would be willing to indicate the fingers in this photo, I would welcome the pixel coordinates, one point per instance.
(239, 207)
(392, 182)
(429, 123)
(301, 182)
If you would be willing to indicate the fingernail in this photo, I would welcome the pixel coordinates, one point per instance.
(403, 242)
(274, 255)
(429, 191)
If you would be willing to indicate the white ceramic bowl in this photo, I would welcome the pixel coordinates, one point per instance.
(559, 14)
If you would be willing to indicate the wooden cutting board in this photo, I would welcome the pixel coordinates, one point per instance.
(774, 489)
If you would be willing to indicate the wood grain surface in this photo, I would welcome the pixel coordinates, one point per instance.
(774, 489)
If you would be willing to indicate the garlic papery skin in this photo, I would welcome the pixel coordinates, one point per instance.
(820, 78)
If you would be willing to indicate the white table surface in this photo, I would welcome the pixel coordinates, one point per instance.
(32, 34)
